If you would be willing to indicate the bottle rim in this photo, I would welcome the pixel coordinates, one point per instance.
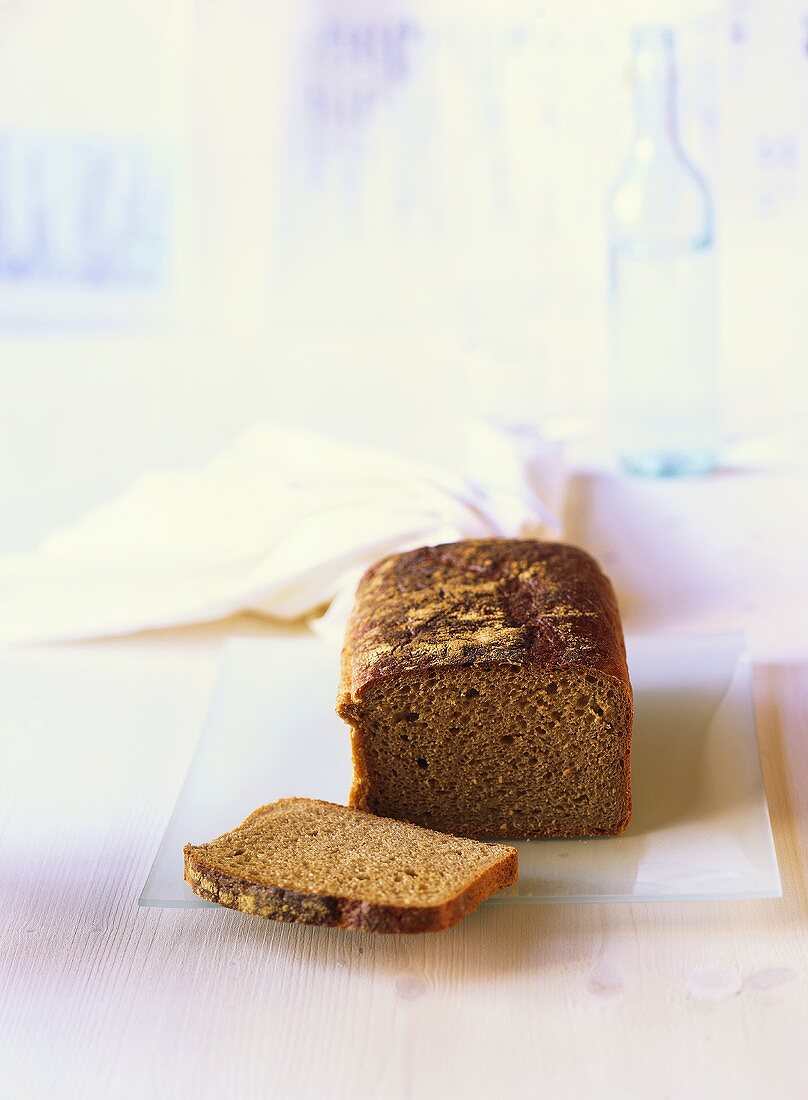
(648, 37)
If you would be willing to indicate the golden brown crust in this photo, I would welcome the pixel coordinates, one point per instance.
(481, 601)
(290, 906)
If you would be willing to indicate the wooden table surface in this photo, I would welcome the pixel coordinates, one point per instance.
(103, 999)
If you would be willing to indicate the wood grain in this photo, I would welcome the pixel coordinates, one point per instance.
(100, 998)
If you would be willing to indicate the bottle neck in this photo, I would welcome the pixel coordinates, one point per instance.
(654, 94)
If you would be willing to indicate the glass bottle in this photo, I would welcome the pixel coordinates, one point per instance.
(662, 285)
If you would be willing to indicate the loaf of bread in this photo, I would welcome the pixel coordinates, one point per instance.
(309, 862)
(486, 687)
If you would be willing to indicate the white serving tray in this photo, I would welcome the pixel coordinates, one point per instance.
(700, 828)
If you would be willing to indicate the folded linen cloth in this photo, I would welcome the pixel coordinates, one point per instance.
(283, 523)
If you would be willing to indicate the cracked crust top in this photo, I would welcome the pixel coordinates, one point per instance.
(481, 601)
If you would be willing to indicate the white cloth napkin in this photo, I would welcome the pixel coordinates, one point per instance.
(283, 523)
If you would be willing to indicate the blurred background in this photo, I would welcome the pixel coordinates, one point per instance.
(383, 220)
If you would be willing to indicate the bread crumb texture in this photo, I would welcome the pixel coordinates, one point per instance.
(315, 862)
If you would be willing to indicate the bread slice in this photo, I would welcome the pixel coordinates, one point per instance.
(309, 862)
(486, 687)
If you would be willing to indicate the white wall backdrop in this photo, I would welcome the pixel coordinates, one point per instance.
(365, 200)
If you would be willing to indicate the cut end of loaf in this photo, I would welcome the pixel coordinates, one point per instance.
(310, 862)
(496, 751)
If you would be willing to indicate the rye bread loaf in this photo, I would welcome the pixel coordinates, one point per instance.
(486, 687)
(309, 862)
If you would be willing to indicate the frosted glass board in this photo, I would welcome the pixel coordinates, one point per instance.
(700, 828)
